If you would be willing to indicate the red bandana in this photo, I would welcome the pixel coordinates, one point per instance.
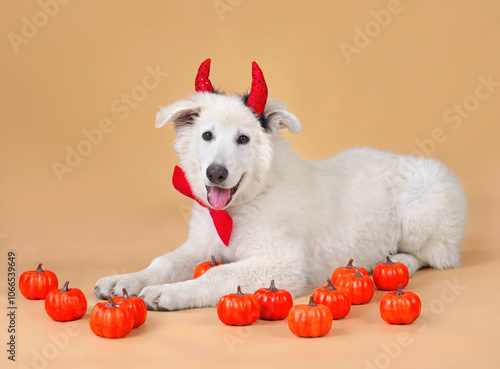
(222, 220)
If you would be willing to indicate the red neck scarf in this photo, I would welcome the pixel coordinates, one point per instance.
(222, 220)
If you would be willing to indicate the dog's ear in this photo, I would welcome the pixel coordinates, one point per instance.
(182, 113)
(278, 118)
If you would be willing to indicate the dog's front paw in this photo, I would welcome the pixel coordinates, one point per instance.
(165, 297)
(114, 284)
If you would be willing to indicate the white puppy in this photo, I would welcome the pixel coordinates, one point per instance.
(294, 221)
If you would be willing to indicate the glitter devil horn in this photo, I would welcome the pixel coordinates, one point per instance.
(258, 94)
(202, 83)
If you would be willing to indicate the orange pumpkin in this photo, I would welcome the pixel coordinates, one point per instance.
(36, 284)
(110, 320)
(360, 287)
(274, 304)
(203, 267)
(66, 304)
(337, 300)
(310, 320)
(400, 307)
(349, 269)
(388, 276)
(136, 304)
(238, 308)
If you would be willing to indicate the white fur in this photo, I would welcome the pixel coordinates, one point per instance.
(295, 221)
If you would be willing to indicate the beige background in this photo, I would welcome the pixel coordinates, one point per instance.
(116, 209)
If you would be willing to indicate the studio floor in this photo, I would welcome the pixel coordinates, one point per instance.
(456, 327)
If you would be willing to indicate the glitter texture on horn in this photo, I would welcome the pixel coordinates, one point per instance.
(202, 83)
(258, 94)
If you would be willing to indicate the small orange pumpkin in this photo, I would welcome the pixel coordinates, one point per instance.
(360, 287)
(36, 284)
(66, 304)
(310, 320)
(336, 299)
(400, 307)
(110, 320)
(238, 308)
(388, 276)
(349, 269)
(136, 304)
(203, 267)
(274, 303)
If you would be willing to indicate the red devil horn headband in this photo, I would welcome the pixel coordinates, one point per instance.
(258, 93)
(202, 83)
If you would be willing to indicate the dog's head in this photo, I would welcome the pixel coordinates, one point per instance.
(225, 142)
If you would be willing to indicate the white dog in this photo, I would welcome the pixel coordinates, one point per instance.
(294, 221)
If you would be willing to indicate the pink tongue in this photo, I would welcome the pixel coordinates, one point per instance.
(219, 197)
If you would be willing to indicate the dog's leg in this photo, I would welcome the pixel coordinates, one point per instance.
(174, 266)
(250, 274)
(433, 212)
(410, 261)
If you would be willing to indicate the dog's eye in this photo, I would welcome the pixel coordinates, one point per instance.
(207, 136)
(243, 139)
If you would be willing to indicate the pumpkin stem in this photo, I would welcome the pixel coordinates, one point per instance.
(389, 261)
(111, 302)
(65, 287)
(238, 292)
(330, 286)
(272, 288)
(312, 302)
(214, 262)
(349, 264)
(39, 269)
(358, 274)
(125, 294)
(399, 291)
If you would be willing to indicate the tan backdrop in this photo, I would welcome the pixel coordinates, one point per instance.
(85, 177)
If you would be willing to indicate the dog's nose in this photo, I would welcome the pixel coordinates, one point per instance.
(217, 173)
